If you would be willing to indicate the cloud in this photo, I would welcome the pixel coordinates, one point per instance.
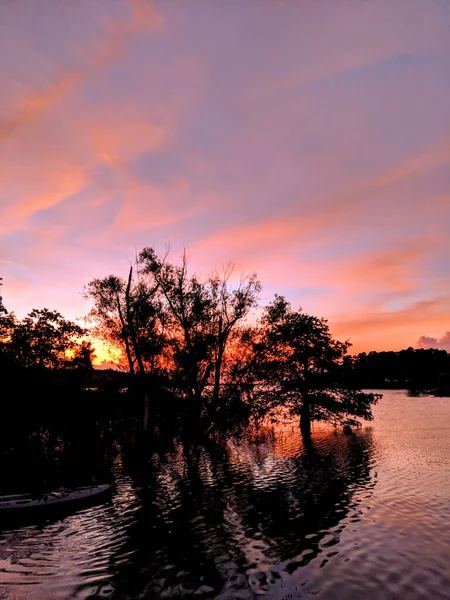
(442, 343)
(392, 269)
(381, 208)
(47, 130)
(37, 102)
(102, 54)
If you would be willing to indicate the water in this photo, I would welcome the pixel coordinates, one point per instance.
(350, 517)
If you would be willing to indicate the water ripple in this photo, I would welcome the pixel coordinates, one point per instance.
(346, 516)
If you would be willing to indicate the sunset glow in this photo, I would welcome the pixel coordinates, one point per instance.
(306, 141)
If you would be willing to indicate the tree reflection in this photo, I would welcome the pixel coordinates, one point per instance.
(212, 521)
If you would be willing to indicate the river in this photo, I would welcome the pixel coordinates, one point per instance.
(365, 515)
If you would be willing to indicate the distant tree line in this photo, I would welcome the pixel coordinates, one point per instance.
(193, 363)
(418, 370)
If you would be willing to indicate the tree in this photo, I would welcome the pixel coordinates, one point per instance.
(128, 316)
(202, 316)
(83, 356)
(301, 366)
(419, 370)
(8, 323)
(44, 338)
(232, 306)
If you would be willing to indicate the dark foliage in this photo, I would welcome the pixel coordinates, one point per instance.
(299, 365)
(420, 371)
(192, 366)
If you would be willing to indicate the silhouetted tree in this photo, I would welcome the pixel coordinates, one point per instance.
(420, 370)
(187, 346)
(300, 366)
(203, 314)
(44, 338)
(8, 323)
(84, 356)
(232, 306)
(128, 316)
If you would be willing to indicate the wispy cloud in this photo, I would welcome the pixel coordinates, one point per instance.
(103, 53)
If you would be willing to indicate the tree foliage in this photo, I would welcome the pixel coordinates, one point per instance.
(203, 315)
(186, 343)
(419, 370)
(44, 338)
(128, 315)
(175, 325)
(301, 366)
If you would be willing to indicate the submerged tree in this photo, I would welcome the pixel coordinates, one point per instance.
(168, 322)
(129, 316)
(203, 315)
(299, 365)
(232, 306)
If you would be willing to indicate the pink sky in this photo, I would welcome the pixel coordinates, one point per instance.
(308, 141)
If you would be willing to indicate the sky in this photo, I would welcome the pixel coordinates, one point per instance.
(308, 141)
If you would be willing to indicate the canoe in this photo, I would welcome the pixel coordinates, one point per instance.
(20, 502)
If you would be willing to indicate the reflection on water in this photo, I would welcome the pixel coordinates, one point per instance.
(365, 515)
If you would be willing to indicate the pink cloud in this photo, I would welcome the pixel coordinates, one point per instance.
(441, 343)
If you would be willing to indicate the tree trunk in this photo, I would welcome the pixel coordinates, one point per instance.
(130, 326)
(305, 419)
(305, 413)
(218, 365)
(125, 336)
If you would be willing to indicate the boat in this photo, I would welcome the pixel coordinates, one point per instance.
(61, 497)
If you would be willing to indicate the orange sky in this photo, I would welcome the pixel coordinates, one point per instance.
(307, 141)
